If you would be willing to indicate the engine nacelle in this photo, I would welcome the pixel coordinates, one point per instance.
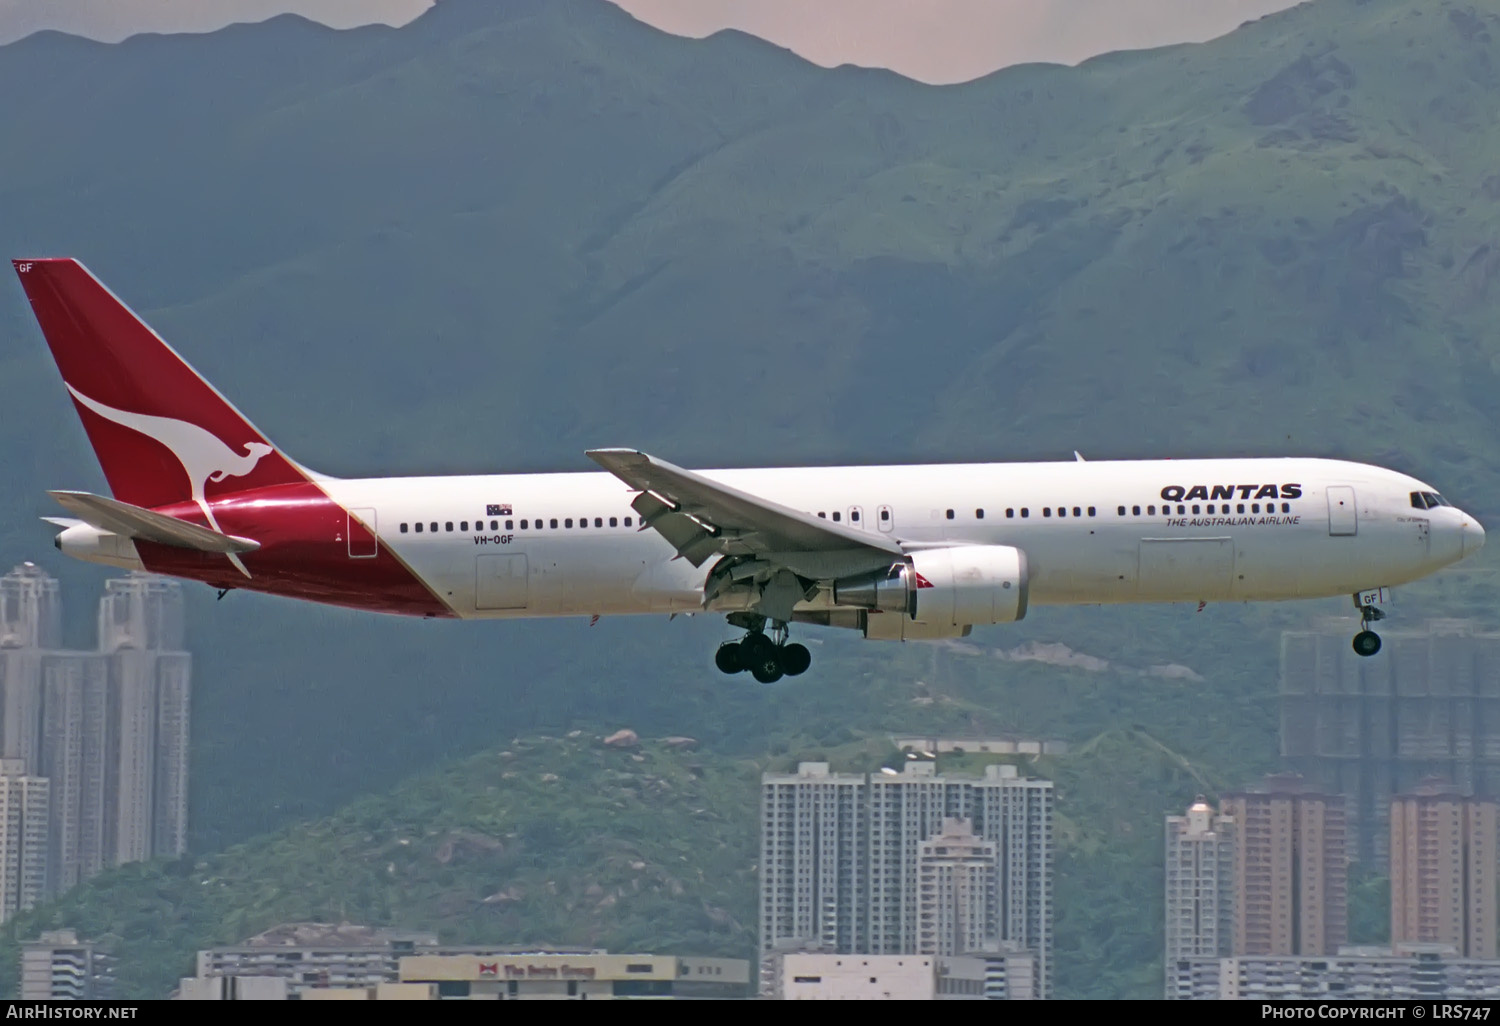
(885, 591)
(939, 593)
(93, 545)
(900, 627)
(970, 584)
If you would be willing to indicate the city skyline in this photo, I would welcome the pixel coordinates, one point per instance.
(844, 858)
(107, 731)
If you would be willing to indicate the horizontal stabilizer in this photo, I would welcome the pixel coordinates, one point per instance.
(135, 522)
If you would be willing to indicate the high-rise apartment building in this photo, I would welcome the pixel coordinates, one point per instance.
(30, 627)
(1290, 869)
(23, 838)
(108, 729)
(1373, 728)
(813, 859)
(958, 892)
(1443, 862)
(140, 638)
(1200, 886)
(841, 856)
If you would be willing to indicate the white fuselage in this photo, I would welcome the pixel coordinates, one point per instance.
(1332, 528)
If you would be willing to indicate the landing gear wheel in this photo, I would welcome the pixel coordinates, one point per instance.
(1366, 643)
(757, 648)
(767, 672)
(762, 657)
(795, 659)
(730, 657)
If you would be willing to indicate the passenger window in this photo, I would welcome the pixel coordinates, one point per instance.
(1010, 514)
(1240, 508)
(822, 515)
(1025, 512)
(510, 525)
(627, 521)
(568, 522)
(1136, 510)
(835, 516)
(885, 514)
(1286, 507)
(419, 527)
(1121, 511)
(1062, 511)
(554, 523)
(523, 525)
(614, 521)
(1077, 511)
(598, 521)
(1196, 510)
(1181, 510)
(449, 525)
(950, 514)
(403, 528)
(1150, 510)
(979, 514)
(854, 515)
(434, 527)
(464, 526)
(1046, 511)
(1091, 511)
(583, 521)
(1255, 507)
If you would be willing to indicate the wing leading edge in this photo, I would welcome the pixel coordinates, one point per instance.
(701, 517)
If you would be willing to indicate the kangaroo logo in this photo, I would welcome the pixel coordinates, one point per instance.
(203, 456)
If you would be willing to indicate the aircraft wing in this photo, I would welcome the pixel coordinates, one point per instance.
(701, 518)
(136, 522)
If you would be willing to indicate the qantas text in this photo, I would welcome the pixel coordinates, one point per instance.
(1177, 493)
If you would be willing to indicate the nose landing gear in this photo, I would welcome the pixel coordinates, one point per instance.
(767, 658)
(1367, 642)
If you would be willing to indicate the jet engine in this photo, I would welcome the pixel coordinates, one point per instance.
(938, 593)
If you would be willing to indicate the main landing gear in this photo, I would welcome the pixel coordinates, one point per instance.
(767, 657)
(1367, 642)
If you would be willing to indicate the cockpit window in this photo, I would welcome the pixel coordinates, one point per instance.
(1418, 500)
(1428, 500)
(1434, 499)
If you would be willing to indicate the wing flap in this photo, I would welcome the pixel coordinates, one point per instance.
(137, 522)
(700, 517)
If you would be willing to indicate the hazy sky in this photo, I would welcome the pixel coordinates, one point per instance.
(932, 40)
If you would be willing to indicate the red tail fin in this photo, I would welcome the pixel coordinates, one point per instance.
(162, 433)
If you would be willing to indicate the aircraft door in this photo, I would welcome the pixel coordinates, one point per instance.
(1185, 569)
(885, 520)
(1343, 519)
(857, 517)
(360, 532)
(500, 581)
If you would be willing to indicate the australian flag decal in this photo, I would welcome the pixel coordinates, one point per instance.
(497, 509)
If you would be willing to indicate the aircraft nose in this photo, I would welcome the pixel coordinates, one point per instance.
(1473, 536)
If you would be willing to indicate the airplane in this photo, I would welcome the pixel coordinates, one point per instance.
(898, 553)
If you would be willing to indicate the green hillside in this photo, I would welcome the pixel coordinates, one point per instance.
(564, 841)
(507, 232)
